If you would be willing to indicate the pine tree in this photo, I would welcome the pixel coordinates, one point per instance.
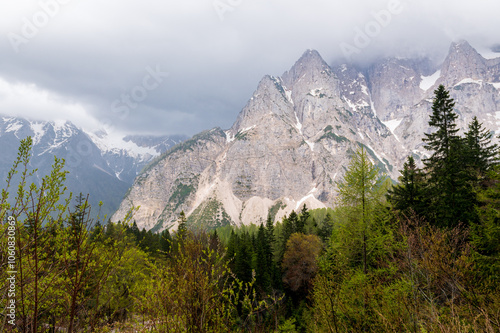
(325, 231)
(445, 137)
(448, 186)
(243, 258)
(480, 152)
(165, 241)
(262, 263)
(134, 229)
(408, 195)
(182, 228)
(293, 218)
(304, 215)
(270, 231)
(271, 241)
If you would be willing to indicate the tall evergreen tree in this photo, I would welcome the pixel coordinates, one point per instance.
(232, 248)
(243, 258)
(262, 263)
(271, 241)
(325, 231)
(304, 215)
(481, 153)
(182, 228)
(270, 231)
(165, 241)
(408, 195)
(135, 230)
(293, 218)
(452, 197)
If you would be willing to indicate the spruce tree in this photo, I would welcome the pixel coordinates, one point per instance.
(271, 241)
(326, 228)
(232, 247)
(293, 218)
(452, 198)
(481, 153)
(262, 263)
(304, 215)
(243, 258)
(408, 195)
(165, 241)
(182, 228)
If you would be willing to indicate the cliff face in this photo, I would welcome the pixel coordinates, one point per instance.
(293, 139)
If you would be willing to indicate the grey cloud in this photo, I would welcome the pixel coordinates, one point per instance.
(92, 51)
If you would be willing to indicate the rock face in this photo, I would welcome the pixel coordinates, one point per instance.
(293, 139)
(99, 165)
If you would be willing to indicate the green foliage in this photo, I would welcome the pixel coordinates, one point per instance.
(409, 195)
(275, 208)
(329, 134)
(211, 214)
(448, 185)
(480, 153)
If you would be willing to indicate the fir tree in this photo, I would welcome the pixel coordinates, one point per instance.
(182, 228)
(408, 195)
(165, 241)
(262, 263)
(481, 153)
(325, 231)
(452, 198)
(293, 219)
(135, 230)
(243, 258)
(304, 216)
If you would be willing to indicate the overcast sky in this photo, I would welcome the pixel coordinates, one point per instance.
(179, 67)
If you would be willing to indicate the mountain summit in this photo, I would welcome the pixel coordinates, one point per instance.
(99, 164)
(293, 139)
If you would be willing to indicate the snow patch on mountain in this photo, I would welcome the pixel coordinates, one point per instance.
(38, 130)
(309, 195)
(288, 94)
(469, 80)
(392, 125)
(14, 127)
(310, 144)
(428, 81)
(113, 142)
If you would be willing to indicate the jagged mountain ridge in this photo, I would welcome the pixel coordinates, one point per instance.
(292, 140)
(98, 163)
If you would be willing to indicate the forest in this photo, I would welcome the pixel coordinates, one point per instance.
(419, 255)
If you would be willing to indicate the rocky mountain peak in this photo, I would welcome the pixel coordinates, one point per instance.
(271, 98)
(310, 67)
(463, 61)
(293, 139)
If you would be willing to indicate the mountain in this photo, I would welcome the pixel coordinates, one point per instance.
(100, 164)
(292, 140)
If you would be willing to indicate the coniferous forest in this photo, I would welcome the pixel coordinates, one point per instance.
(419, 255)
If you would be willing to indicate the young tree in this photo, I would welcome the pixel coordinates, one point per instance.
(480, 152)
(262, 262)
(38, 210)
(408, 195)
(359, 193)
(304, 216)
